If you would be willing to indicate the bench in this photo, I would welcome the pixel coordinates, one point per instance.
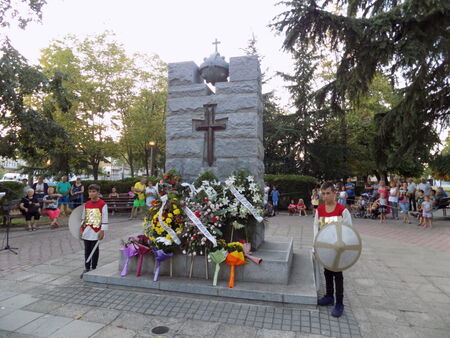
(444, 204)
(11, 211)
(117, 204)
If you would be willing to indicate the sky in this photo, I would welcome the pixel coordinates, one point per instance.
(176, 30)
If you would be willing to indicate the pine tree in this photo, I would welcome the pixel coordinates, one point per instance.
(406, 40)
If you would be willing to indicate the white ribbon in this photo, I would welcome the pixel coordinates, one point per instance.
(167, 228)
(200, 225)
(245, 203)
(191, 186)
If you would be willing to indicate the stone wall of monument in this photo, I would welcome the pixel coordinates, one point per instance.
(240, 145)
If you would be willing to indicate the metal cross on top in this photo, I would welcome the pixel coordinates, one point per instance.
(216, 42)
(210, 125)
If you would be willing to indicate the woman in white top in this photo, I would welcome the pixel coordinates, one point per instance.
(343, 196)
(393, 199)
(150, 194)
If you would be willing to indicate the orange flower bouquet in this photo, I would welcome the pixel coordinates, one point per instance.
(234, 258)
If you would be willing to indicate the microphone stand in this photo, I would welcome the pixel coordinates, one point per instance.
(7, 246)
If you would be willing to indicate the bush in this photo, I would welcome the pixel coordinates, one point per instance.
(14, 190)
(292, 187)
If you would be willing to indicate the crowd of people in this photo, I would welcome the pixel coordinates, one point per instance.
(400, 197)
(58, 200)
(40, 198)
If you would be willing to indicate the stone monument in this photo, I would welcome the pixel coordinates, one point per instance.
(218, 128)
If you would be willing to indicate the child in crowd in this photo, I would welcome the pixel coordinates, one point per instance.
(292, 208)
(50, 206)
(269, 210)
(427, 212)
(342, 196)
(403, 200)
(301, 207)
(315, 199)
(114, 194)
(94, 222)
(382, 208)
(334, 281)
(419, 200)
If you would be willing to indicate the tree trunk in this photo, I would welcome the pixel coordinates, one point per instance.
(95, 167)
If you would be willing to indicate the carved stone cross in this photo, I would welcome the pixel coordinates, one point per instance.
(210, 125)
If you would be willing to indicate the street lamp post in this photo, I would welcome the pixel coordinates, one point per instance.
(152, 145)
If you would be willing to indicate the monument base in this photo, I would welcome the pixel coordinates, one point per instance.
(275, 266)
(299, 289)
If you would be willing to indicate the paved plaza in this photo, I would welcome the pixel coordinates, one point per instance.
(399, 288)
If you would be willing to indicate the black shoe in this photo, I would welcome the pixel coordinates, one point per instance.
(325, 301)
(82, 274)
(338, 310)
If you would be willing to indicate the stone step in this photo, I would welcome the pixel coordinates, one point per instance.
(300, 289)
(274, 269)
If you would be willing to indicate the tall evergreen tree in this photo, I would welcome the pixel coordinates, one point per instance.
(407, 40)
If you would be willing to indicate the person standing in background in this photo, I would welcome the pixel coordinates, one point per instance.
(412, 194)
(63, 188)
(77, 192)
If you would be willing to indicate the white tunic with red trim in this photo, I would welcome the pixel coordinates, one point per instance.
(322, 218)
(94, 218)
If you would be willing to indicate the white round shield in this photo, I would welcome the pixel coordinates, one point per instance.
(337, 246)
(75, 221)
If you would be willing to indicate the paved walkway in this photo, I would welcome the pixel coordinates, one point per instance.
(399, 288)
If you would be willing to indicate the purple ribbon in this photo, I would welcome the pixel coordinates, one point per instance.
(141, 251)
(160, 256)
(128, 252)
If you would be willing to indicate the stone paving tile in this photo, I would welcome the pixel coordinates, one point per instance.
(77, 329)
(114, 332)
(44, 326)
(70, 310)
(17, 302)
(43, 306)
(99, 315)
(17, 319)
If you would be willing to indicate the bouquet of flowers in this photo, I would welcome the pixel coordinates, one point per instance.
(242, 203)
(234, 258)
(196, 240)
(170, 181)
(135, 246)
(163, 222)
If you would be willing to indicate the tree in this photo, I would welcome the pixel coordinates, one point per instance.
(142, 119)
(404, 40)
(96, 75)
(440, 165)
(25, 130)
(279, 158)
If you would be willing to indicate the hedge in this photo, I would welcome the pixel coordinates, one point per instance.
(292, 187)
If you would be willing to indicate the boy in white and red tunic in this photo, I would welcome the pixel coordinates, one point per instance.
(94, 222)
(326, 213)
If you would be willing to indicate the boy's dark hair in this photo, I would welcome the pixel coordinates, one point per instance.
(94, 186)
(328, 185)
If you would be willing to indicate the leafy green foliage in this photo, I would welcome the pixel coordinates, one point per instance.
(406, 41)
